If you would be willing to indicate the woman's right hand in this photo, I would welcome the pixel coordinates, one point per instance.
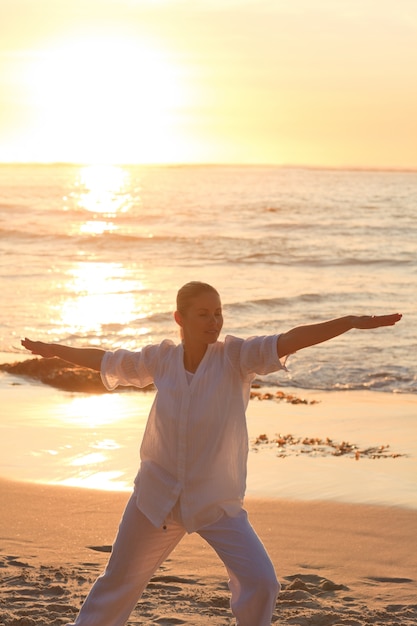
(39, 348)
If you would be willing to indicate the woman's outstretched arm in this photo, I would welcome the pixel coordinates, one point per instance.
(86, 357)
(305, 336)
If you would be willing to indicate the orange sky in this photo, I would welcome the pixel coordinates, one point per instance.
(311, 82)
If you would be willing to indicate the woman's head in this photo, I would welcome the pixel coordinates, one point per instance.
(199, 312)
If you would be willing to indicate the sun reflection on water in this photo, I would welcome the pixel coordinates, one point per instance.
(89, 459)
(103, 189)
(97, 227)
(93, 411)
(103, 194)
(103, 294)
(107, 481)
(102, 453)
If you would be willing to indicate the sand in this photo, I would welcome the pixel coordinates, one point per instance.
(339, 564)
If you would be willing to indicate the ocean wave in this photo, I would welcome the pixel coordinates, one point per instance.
(395, 387)
(266, 305)
(342, 377)
(161, 317)
(34, 236)
(369, 260)
(247, 305)
(281, 258)
(77, 237)
(12, 208)
(207, 249)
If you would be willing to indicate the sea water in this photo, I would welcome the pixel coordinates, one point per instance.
(94, 255)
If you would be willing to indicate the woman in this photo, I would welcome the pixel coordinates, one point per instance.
(194, 451)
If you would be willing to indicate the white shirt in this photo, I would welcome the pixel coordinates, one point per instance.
(195, 446)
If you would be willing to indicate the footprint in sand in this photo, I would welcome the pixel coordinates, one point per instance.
(13, 560)
(100, 548)
(167, 621)
(312, 583)
(384, 579)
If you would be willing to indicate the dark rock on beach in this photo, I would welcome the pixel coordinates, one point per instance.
(60, 374)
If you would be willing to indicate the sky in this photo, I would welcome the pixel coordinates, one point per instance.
(321, 83)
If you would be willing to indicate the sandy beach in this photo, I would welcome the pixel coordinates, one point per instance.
(340, 528)
(338, 563)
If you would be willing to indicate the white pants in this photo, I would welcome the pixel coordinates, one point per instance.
(140, 548)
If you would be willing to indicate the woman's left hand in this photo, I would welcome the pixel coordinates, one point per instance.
(376, 321)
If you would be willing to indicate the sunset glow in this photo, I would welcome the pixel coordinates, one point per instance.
(142, 81)
(101, 99)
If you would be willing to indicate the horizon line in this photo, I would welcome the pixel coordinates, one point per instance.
(354, 168)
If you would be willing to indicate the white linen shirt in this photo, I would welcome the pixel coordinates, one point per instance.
(195, 446)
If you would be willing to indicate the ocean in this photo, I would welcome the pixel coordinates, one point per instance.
(94, 255)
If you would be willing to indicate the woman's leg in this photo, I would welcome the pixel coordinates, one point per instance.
(253, 581)
(139, 549)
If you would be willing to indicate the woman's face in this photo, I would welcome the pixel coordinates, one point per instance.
(203, 319)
